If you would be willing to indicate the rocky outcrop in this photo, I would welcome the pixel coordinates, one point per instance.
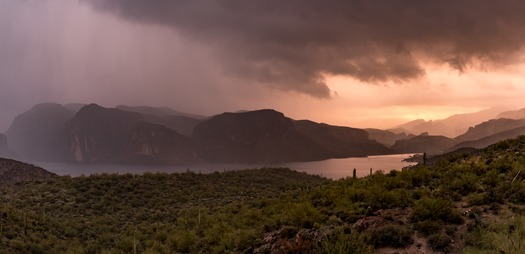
(156, 144)
(490, 128)
(267, 136)
(94, 134)
(38, 134)
(98, 134)
(12, 171)
(486, 141)
(341, 142)
(5, 152)
(182, 123)
(263, 136)
(424, 144)
(385, 137)
(102, 135)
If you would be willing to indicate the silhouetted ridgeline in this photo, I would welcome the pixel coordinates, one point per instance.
(162, 136)
(425, 143)
(101, 135)
(451, 126)
(145, 135)
(38, 134)
(387, 138)
(516, 114)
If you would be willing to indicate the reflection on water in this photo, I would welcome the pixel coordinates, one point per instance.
(338, 168)
(332, 168)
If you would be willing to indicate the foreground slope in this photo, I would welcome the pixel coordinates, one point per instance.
(461, 204)
(12, 171)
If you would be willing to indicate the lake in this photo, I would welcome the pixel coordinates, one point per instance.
(331, 168)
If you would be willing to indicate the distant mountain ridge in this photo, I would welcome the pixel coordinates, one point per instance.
(340, 141)
(479, 136)
(489, 140)
(516, 114)
(103, 135)
(38, 134)
(157, 135)
(267, 136)
(264, 136)
(424, 143)
(387, 137)
(451, 126)
(158, 111)
(147, 135)
(490, 128)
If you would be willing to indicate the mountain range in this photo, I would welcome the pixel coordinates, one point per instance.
(451, 126)
(89, 133)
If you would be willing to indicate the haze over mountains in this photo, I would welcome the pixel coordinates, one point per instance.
(451, 126)
(163, 136)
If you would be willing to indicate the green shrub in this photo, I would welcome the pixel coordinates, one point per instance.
(428, 227)
(439, 242)
(508, 238)
(341, 242)
(396, 236)
(477, 199)
(429, 208)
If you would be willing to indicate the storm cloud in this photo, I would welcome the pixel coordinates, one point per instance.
(293, 44)
(365, 63)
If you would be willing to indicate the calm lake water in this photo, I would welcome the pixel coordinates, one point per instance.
(332, 168)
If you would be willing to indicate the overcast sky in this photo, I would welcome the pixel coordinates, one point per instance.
(350, 62)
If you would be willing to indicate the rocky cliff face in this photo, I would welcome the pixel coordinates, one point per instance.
(341, 142)
(424, 144)
(156, 144)
(98, 134)
(385, 137)
(489, 140)
(182, 123)
(267, 136)
(95, 134)
(102, 135)
(38, 134)
(5, 152)
(490, 128)
(263, 136)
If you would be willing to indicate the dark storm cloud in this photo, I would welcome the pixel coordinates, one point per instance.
(291, 44)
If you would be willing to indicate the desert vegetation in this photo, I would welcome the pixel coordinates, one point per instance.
(461, 204)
